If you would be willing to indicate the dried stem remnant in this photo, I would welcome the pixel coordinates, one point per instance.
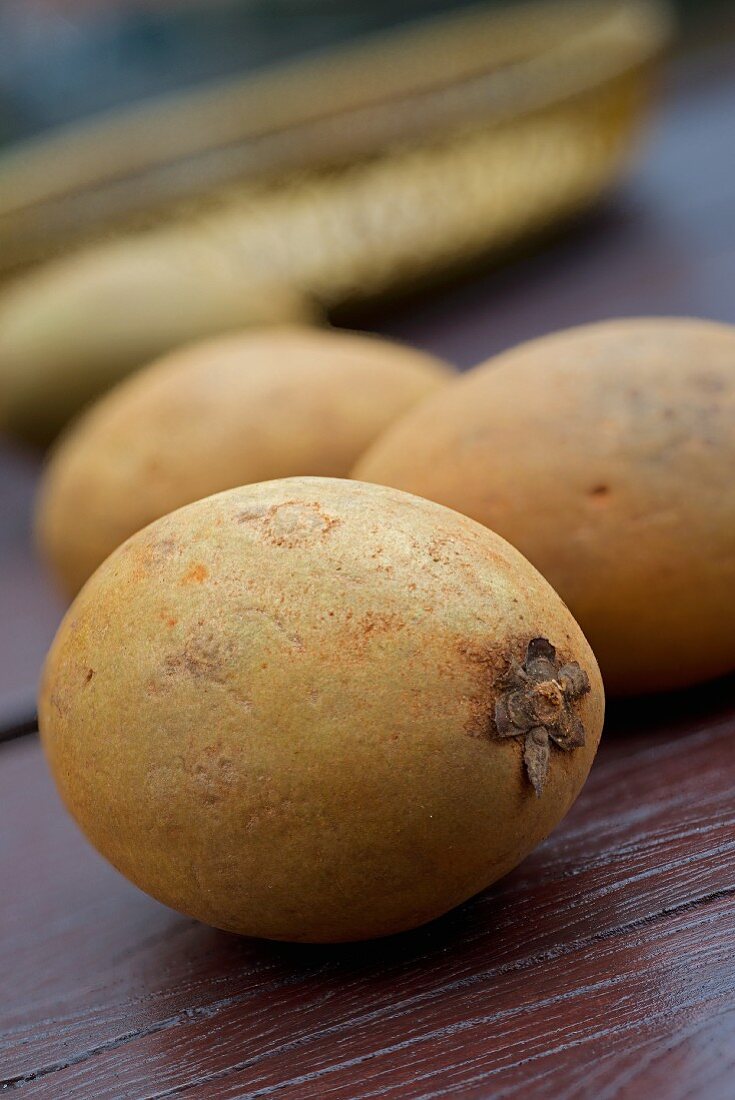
(538, 706)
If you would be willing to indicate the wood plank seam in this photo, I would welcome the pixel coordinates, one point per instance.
(212, 1010)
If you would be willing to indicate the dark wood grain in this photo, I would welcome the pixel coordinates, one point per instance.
(29, 607)
(602, 967)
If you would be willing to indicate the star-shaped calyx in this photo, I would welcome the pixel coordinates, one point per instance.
(538, 705)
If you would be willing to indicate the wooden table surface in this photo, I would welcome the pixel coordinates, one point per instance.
(603, 967)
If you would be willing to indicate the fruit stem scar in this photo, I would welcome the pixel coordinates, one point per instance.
(538, 705)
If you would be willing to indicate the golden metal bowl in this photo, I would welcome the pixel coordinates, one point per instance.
(407, 150)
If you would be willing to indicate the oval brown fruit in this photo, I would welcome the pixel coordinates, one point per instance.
(318, 710)
(260, 405)
(606, 455)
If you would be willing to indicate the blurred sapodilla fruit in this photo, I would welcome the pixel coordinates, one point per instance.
(73, 328)
(259, 405)
(605, 454)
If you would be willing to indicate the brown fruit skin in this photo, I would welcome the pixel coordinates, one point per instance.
(273, 710)
(606, 455)
(246, 408)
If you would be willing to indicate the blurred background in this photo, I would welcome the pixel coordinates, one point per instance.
(64, 59)
(459, 176)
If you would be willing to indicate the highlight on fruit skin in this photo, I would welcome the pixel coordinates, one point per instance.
(243, 408)
(276, 709)
(605, 455)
